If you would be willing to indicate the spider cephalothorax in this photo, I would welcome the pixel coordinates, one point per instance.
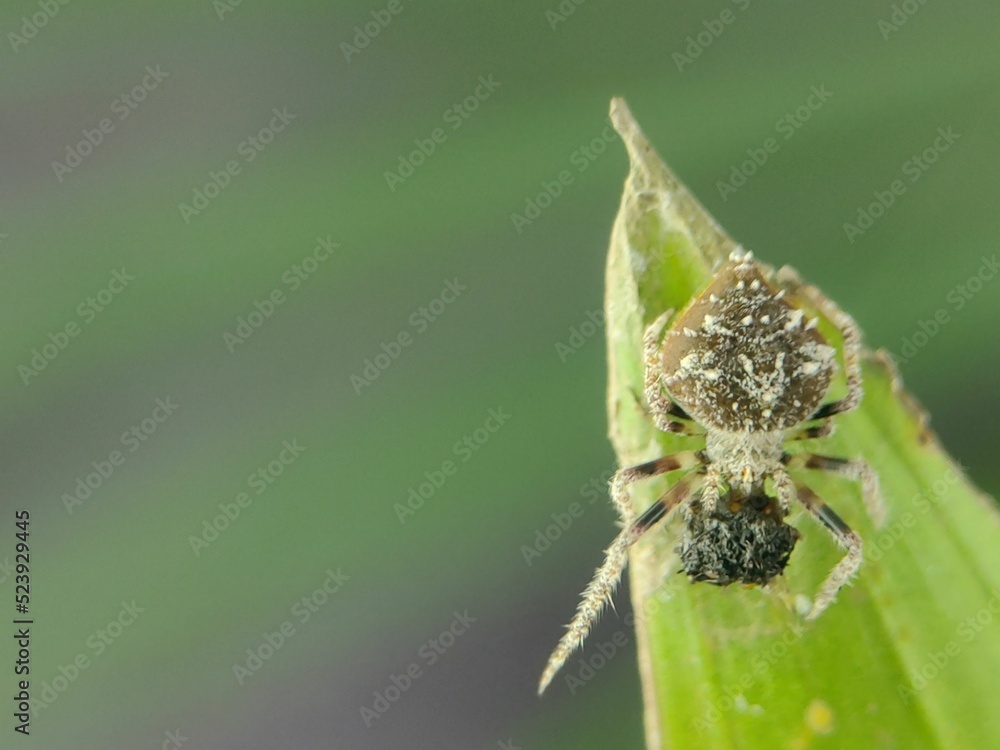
(744, 366)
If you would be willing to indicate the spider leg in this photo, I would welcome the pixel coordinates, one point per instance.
(624, 477)
(710, 495)
(842, 533)
(856, 469)
(784, 488)
(665, 412)
(667, 421)
(788, 278)
(821, 430)
(599, 591)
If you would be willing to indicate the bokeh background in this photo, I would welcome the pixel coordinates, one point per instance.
(515, 340)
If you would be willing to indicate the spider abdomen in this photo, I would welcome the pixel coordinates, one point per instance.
(742, 357)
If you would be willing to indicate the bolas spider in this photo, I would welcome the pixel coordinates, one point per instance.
(744, 366)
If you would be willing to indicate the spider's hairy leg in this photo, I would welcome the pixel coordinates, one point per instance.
(784, 489)
(710, 495)
(663, 421)
(841, 532)
(606, 578)
(624, 477)
(789, 279)
(665, 412)
(821, 430)
(857, 469)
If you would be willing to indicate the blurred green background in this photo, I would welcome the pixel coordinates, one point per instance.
(515, 340)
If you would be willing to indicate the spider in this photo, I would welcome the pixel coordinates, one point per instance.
(744, 366)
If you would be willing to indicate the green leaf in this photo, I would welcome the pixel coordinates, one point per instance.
(909, 655)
